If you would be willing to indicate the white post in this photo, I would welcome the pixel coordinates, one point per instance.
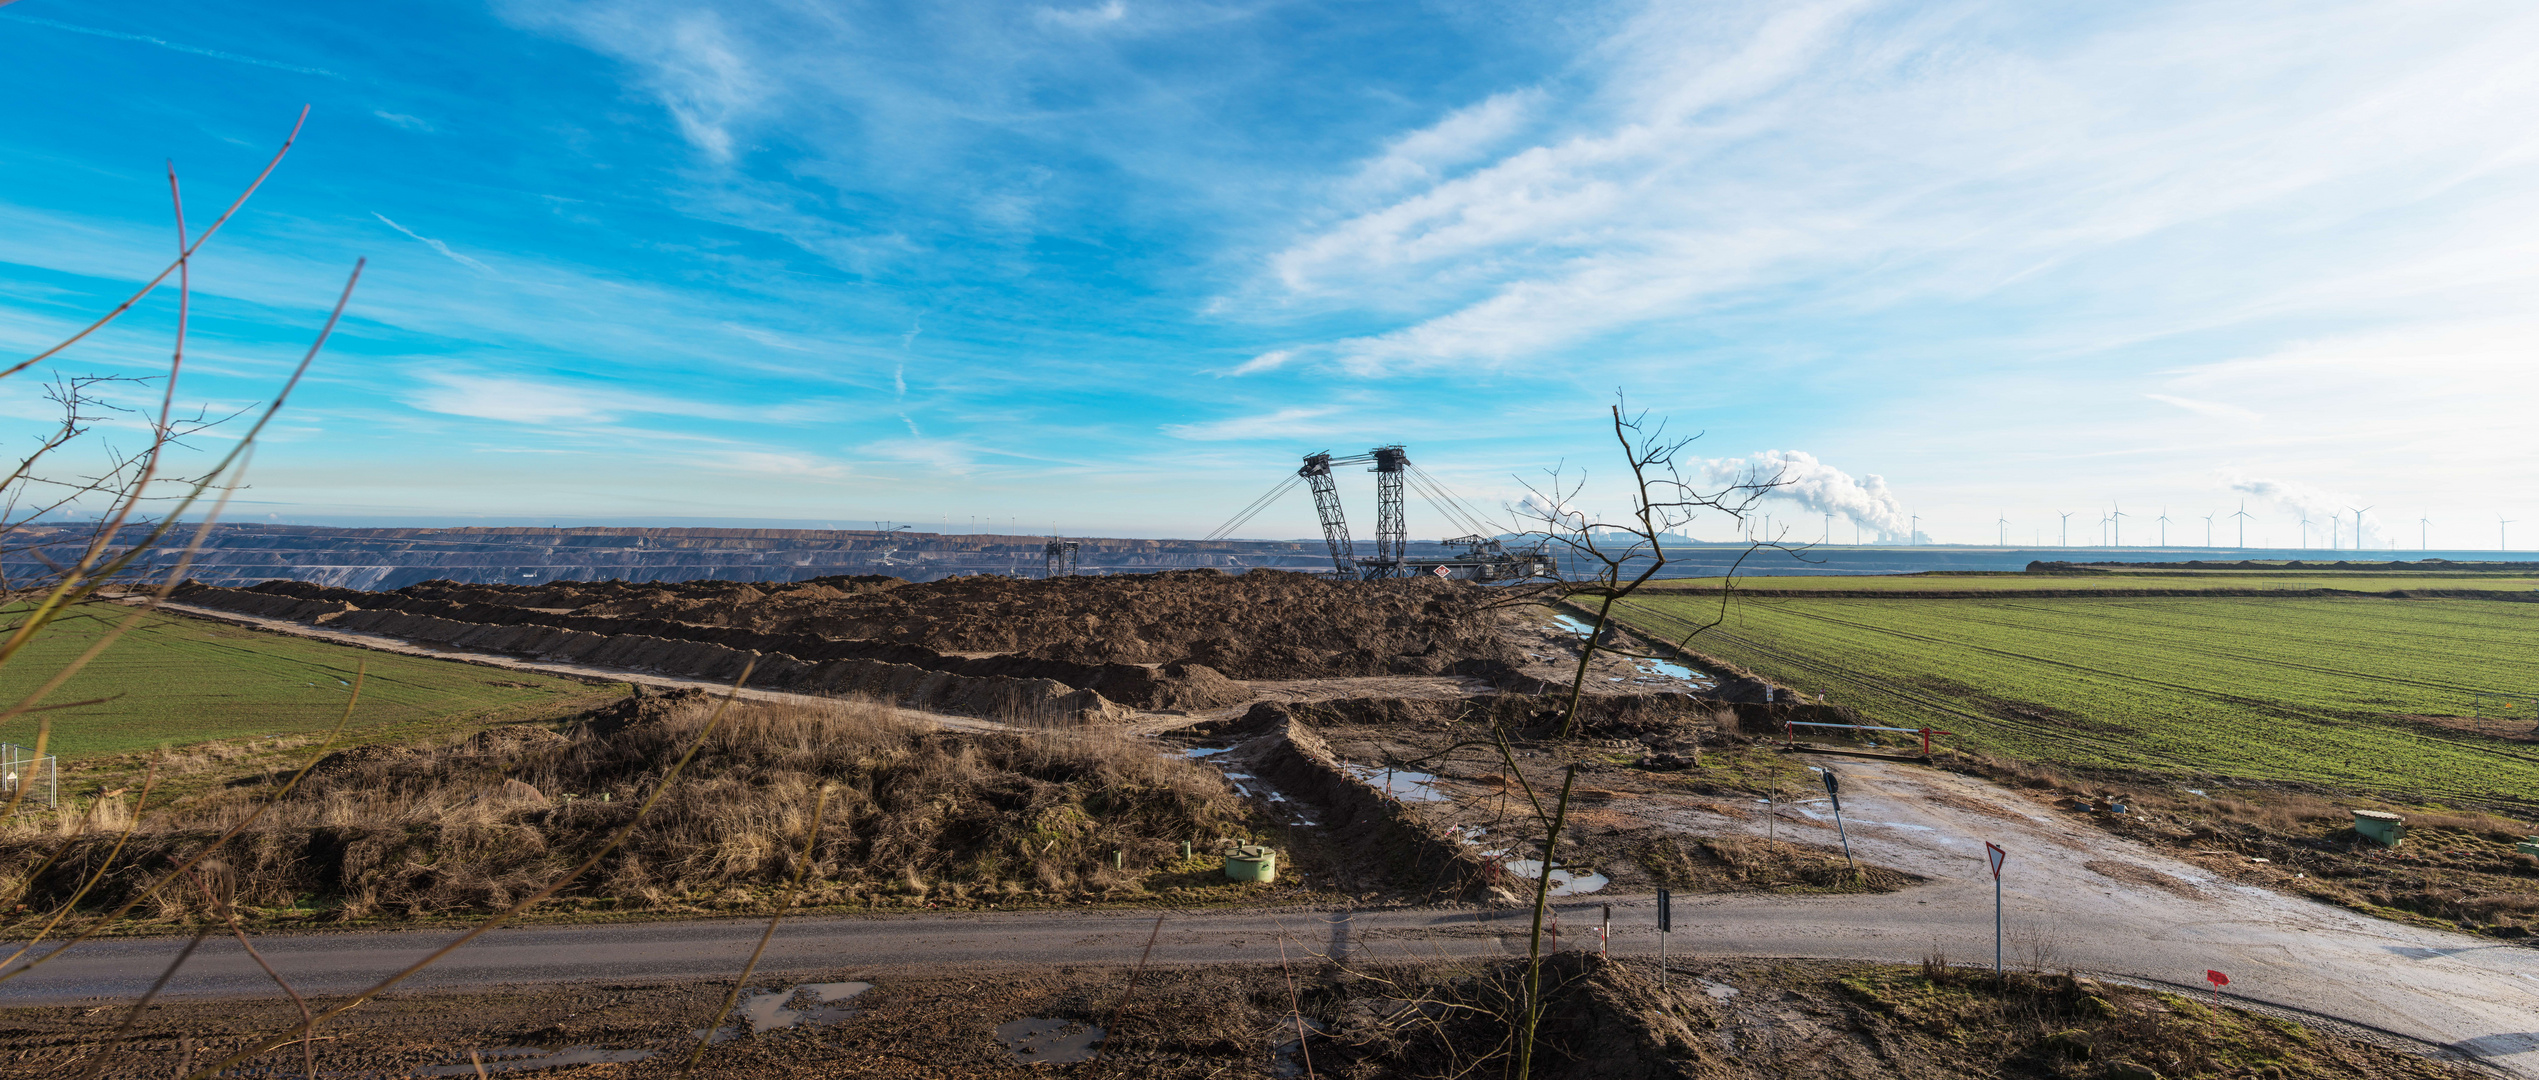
(1995, 855)
(1665, 926)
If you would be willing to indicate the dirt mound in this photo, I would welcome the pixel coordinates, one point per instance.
(1266, 624)
(1603, 716)
(650, 595)
(913, 816)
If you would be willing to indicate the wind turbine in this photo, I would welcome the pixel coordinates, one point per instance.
(2208, 529)
(2164, 526)
(2119, 518)
(2423, 530)
(2067, 527)
(1829, 527)
(2305, 530)
(2335, 533)
(2502, 535)
(2243, 515)
(1913, 532)
(2358, 526)
(2004, 524)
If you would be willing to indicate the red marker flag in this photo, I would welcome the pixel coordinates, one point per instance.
(2216, 978)
(1991, 851)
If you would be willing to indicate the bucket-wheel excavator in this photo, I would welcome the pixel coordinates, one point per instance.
(1478, 555)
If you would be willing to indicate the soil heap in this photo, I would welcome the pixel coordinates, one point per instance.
(1266, 624)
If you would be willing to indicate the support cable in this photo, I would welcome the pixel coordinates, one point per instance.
(1258, 505)
(1458, 514)
(1469, 516)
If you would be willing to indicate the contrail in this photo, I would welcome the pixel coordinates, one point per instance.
(166, 44)
(437, 245)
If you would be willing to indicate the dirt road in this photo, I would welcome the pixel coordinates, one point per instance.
(2156, 919)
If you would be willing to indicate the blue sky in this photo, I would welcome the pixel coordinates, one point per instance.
(1112, 266)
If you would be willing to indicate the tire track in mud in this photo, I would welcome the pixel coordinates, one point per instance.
(2269, 660)
(2278, 708)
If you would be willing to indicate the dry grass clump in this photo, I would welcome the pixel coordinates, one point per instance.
(915, 815)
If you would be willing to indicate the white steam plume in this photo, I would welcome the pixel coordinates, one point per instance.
(2321, 506)
(1819, 487)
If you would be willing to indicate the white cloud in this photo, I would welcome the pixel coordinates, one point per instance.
(762, 463)
(1296, 422)
(1268, 361)
(1104, 14)
(2214, 409)
(700, 72)
(1872, 155)
(514, 400)
(410, 123)
(1464, 136)
(556, 404)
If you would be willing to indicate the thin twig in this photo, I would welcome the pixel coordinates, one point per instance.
(793, 890)
(1534, 948)
(1294, 1007)
(668, 780)
(149, 778)
(308, 1048)
(114, 1042)
(359, 672)
(172, 267)
(1111, 1034)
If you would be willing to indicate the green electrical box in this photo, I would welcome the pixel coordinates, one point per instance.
(1252, 862)
(2386, 828)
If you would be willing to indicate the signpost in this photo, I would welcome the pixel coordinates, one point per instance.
(1993, 851)
(1665, 926)
(1833, 790)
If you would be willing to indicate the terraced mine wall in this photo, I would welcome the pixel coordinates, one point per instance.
(244, 554)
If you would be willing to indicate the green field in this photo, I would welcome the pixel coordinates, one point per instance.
(175, 680)
(2290, 688)
(2367, 581)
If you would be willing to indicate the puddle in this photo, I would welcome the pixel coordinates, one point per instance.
(1202, 751)
(1287, 1058)
(807, 1005)
(1670, 670)
(1565, 882)
(1039, 1041)
(1573, 626)
(521, 1058)
(1719, 990)
(1406, 786)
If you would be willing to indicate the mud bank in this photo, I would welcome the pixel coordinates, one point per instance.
(1418, 857)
